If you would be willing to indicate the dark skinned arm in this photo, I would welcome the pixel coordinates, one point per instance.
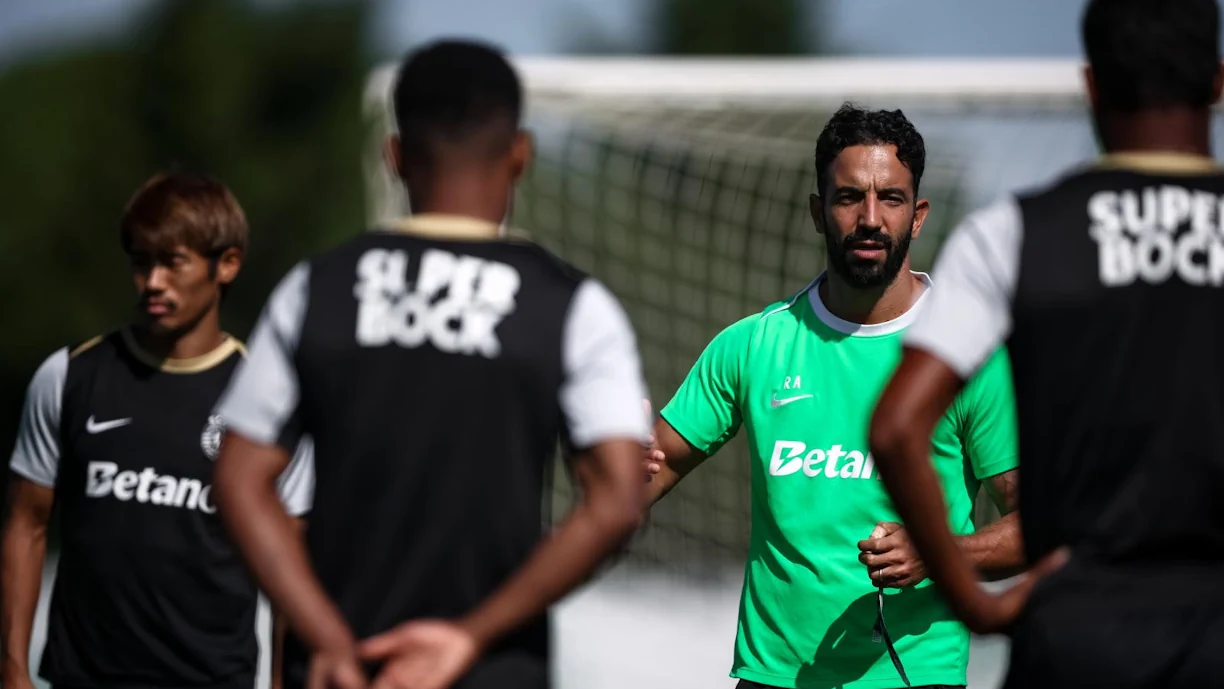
(669, 459)
(919, 393)
(279, 629)
(22, 555)
(607, 515)
(245, 489)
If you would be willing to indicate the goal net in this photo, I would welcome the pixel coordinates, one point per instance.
(683, 184)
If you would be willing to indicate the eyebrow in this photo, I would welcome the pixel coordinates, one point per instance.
(843, 188)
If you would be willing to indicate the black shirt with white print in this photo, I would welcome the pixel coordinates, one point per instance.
(149, 592)
(1108, 289)
(436, 371)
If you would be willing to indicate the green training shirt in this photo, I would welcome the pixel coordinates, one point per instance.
(803, 383)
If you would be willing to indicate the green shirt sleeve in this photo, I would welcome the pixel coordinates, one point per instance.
(706, 409)
(988, 418)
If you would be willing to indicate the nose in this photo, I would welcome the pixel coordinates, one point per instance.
(157, 279)
(869, 216)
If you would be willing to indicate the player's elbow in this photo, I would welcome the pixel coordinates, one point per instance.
(613, 490)
(618, 510)
(623, 515)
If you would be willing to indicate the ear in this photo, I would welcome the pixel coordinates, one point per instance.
(393, 156)
(1217, 85)
(522, 151)
(920, 215)
(228, 265)
(816, 206)
(1090, 86)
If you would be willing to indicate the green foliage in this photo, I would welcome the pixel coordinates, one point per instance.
(732, 27)
(267, 100)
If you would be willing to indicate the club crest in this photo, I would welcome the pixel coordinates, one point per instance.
(210, 439)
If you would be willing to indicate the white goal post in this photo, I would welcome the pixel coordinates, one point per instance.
(719, 82)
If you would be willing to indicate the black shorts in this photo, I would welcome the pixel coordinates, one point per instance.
(507, 670)
(1127, 646)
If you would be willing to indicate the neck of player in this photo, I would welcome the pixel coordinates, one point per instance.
(466, 192)
(196, 341)
(1169, 130)
(872, 305)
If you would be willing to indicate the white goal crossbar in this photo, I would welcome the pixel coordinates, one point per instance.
(700, 83)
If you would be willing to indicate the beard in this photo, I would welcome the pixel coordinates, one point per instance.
(865, 275)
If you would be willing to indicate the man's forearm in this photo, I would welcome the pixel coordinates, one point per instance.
(996, 550)
(273, 549)
(279, 629)
(675, 457)
(562, 562)
(23, 550)
(661, 484)
(278, 650)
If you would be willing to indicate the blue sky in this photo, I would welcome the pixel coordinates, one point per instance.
(938, 27)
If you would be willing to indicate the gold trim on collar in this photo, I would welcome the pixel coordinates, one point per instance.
(444, 226)
(85, 346)
(1161, 162)
(195, 364)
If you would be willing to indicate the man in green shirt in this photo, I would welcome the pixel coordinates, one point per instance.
(802, 377)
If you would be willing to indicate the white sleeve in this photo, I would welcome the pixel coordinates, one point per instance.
(37, 452)
(968, 312)
(296, 483)
(602, 393)
(262, 398)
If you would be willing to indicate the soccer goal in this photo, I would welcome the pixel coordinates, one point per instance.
(683, 184)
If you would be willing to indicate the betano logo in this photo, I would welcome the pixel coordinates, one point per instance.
(789, 458)
(104, 479)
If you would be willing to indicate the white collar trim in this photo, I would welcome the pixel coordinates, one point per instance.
(870, 329)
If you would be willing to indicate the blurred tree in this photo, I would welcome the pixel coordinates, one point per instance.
(733, 27)
(265, 97)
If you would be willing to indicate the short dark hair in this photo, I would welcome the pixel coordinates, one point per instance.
(1153, 53)
(456, 94)
(176, 208)
(855, 126)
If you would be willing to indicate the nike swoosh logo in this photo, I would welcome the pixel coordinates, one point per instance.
(775, 402)
(96, 427)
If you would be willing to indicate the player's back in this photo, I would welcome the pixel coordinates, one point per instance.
(1118, 327)
(433, 376)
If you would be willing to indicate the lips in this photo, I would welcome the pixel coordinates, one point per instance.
(157, 308)
(869, 250)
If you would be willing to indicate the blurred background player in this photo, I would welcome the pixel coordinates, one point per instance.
(803, 376)
(436, 364)
(1106, 287)
(119, 436)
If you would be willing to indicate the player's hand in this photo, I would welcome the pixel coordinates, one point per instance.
(335, 669)
(891, 559)
(423, 654)
(652, 460)
(987, 613)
